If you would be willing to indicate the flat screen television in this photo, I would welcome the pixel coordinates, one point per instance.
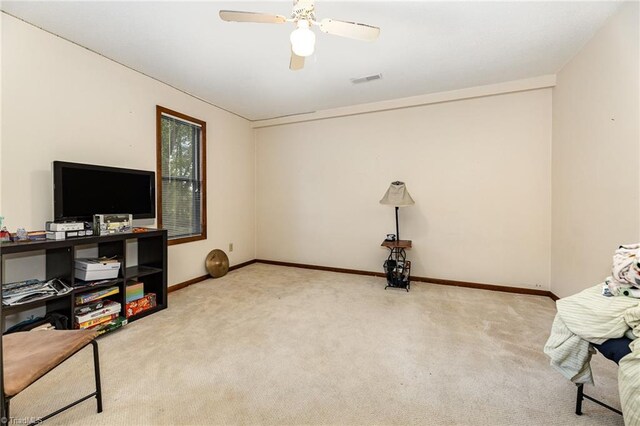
(82, 190)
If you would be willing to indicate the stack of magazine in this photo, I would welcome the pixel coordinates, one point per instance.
(27, 291)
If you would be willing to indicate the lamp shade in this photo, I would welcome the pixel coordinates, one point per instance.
(397, 195)
(303, 40)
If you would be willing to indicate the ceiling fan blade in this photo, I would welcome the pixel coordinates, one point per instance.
(262, 18)
(349, 29)
(296, 63)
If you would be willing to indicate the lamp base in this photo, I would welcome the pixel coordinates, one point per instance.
(397, 227)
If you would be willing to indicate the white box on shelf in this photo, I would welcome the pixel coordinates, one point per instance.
(97, 269)
(55, 235)
(68, 226)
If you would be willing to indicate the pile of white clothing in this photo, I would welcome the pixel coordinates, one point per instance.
(625, 279)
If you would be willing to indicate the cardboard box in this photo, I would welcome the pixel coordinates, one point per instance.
(97, 269)
(140, 305)
(134, 291)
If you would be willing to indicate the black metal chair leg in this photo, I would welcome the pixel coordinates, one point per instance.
(6, 419)
(579, 398)
(96, 364)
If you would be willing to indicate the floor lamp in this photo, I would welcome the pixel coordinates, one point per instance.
(397, 195)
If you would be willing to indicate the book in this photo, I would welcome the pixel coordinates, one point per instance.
(96, 321)
(96, 310)
(95, 295)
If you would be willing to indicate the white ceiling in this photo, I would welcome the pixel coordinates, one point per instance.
(424, 47)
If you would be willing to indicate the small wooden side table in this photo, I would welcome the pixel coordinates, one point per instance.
(397, 268)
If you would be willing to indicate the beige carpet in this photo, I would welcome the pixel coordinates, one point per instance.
(275, 345)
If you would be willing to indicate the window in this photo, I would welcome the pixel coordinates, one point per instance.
(181, 175)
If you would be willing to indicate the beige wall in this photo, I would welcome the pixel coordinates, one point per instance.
(63, 102)
(487, 182)
(596, 155)
(478, 169)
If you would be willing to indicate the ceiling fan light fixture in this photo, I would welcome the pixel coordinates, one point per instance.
(303, 40)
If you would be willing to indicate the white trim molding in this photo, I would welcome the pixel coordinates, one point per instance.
(535, 83)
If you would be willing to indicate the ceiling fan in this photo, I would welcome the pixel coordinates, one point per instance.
(303, 39)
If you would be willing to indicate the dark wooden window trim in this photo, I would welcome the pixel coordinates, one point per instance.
(203, 171)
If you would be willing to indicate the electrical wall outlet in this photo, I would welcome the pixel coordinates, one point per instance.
(230, 247)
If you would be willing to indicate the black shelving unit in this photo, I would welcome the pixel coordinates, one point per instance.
(60, 259)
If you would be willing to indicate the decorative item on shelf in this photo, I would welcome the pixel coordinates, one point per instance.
(217, 263)
(397, 195)
(390, 237)
(21, 235)
(4, 234)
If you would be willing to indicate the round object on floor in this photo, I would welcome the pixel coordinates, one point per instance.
(217, 263)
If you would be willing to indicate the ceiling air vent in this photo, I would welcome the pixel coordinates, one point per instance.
(366, 79)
